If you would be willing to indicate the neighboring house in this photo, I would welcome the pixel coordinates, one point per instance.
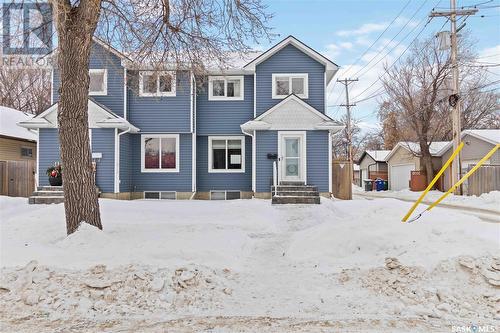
(16, 143)
(372, 164)
(405, 158)
(356, 174)
(18, 153)
(477, 143)
(161, 136)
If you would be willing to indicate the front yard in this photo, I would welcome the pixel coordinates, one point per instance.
(247, 266)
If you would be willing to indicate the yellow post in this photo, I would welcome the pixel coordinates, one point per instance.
(412, 209)
(464, 178)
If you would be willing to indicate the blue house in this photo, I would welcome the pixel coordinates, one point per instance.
(173, 135)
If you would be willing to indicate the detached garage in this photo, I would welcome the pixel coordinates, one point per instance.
(405, 158)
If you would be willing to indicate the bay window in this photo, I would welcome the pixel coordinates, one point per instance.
(286, 84)
(226, 154)
(160, 153)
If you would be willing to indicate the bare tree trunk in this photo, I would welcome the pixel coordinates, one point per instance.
(75, 29)
(426, 162)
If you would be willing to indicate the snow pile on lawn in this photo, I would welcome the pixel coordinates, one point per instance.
(246, 266)
(490, 201)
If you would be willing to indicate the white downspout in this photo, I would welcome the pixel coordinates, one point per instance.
(252, 135)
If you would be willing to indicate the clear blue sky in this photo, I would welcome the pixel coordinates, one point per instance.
(343, 30)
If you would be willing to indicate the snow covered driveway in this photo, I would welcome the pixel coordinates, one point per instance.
(247, 266)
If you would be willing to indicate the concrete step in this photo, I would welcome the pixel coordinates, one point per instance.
(281, 200)
(49, 188)
(45, 200)
(292, 183)
(298, 193)
(48, 194)
(302, 188)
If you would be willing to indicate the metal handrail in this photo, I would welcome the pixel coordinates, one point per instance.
(275, 177)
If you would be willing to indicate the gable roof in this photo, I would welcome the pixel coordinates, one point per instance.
(292, 113)
(330, 67)
(98, 115)
(376, 155)
(8, 124)
(436, 148)
(491, 136)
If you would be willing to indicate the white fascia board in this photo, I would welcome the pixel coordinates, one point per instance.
(298, 100)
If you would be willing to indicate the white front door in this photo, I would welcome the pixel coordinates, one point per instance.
(292, 156)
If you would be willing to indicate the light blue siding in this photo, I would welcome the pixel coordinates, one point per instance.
(206, 181)
(166, 181)
(48, 150)
(290, 60)
(224, 117)
(103, 141)
(162, 114)
(101, 58)
(125, 163)
(317, 159)
(267, 142)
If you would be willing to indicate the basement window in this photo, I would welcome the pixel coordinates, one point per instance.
(156, 195)
(225, 195)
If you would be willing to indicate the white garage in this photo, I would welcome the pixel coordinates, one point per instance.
(400, 176)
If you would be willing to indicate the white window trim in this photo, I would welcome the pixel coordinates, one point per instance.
(105, 78)
(158, 93)
(305, 76)
(210, 139)
(160, 136)
(211, 97)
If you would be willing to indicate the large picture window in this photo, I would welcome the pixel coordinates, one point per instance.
(225, 88)
(286, 84)
(98, 85)
(226, 154)
(156, 83)
(160, 153)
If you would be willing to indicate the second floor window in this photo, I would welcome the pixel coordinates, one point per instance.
(286, 84)
(157, 84)
(225, 88)
(98, 85)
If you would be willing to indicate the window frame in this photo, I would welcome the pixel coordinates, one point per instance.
(290, 76)
(158, 93)
(105, 83)
(160, 136)
(25, 156)
(212, 78)
(210, 154)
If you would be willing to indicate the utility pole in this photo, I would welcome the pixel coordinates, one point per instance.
(346, 83)
(454, 98)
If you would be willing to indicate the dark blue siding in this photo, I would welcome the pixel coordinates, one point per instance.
(206, 181)
(102, 58)
(267, 142)
(290, 60)
(317, 159)
(48, 150)
(103, 141)
(169, 181)
(161, 114)
(224, 117)
(125, 163)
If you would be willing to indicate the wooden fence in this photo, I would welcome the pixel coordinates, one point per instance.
(484, 180)
(17, 178)
(341, 179)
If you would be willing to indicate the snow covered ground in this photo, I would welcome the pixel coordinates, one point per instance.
(247, 266)
(489, 201)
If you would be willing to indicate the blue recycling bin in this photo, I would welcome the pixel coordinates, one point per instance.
(379, 185)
